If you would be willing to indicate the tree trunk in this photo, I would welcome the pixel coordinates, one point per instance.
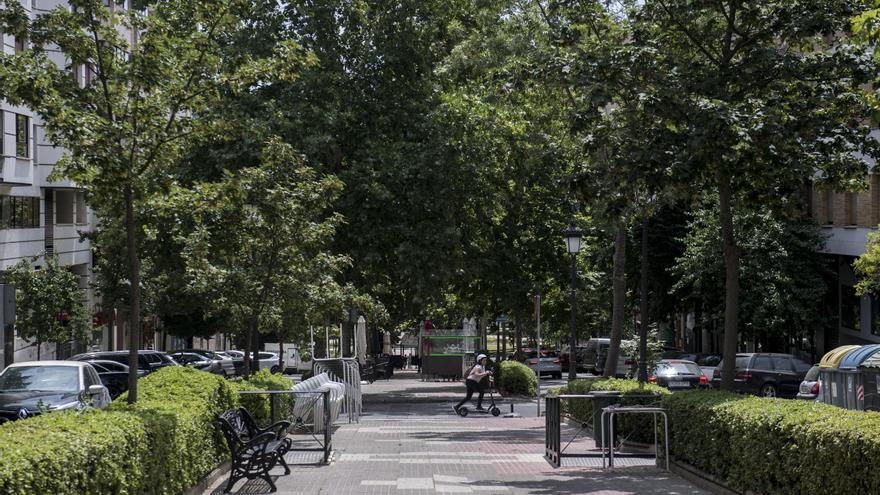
(134, 278)
(643, 306)
(731, 282)
(517, 345)
(39, 344)
(618, 284)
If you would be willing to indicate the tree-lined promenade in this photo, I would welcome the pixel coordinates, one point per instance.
(260, 167)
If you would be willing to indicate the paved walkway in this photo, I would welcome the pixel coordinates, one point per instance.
(420, 447)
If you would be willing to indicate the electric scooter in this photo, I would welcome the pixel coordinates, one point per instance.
(463, 411)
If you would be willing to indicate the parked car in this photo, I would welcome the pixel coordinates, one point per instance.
(706, 362)
(113, 375)
(31, 388)
(199, 362)
(266, 360)
(225, 364)
(811, 386)
(596, 353)
(148, 361)
(678, 374)
(547, 365)
(766, 374)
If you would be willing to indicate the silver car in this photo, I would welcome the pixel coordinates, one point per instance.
(810, 386)
(548, 364)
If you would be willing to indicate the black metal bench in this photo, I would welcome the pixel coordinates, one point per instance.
(255, 450)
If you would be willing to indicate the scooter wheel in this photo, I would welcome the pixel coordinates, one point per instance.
(463, 412)
(496, 412)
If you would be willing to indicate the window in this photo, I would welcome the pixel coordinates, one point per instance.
(80, 207)
(829, 207)
(762, 363)
(19, 44)
(850, 309)
(852, 208)
(19, 212)
(22, 135)
(64, 207)
(781, 363)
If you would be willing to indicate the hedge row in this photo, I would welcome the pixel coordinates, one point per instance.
(776, 446)
(515, 378)
(637, 428)
(258, 405)
(163, 444)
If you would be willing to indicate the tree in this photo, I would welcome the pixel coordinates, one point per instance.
(256, 235)
(50, 305)
(125, 111)
(765, 104)
(782, 273)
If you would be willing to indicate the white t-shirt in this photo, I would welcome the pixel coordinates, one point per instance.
(476, 369)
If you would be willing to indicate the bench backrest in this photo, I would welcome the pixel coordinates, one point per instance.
(238, 426)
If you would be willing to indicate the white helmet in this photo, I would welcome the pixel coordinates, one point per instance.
(481, 357)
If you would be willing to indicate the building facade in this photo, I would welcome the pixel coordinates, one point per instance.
(37, 215)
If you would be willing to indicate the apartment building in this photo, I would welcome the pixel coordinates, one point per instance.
(847, 218)
(38, 215)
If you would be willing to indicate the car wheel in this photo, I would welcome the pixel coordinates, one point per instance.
(273, 370)
(768, 390)
(558, 376)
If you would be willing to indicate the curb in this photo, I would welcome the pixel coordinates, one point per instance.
(702, 480)
(206, 482)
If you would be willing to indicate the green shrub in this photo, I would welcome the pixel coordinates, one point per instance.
(512, 377)
(636, 428)
(258, 405)
(162, 445)
(774, 445)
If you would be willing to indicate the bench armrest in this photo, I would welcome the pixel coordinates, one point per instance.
(276, 428)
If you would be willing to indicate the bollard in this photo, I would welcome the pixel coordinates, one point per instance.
(511, 408)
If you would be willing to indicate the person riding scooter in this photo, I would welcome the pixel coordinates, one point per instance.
(477, 381)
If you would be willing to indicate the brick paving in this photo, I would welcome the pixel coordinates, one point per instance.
(419, 447)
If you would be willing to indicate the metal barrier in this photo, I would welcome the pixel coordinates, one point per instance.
(346, 371)
(609, 438)
(554, 450)
(326, 444)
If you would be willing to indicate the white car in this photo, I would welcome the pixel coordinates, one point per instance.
(34, 387)
(266, 360)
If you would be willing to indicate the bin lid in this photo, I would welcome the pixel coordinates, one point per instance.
(835, 356)
(855, 358)
(873, 361)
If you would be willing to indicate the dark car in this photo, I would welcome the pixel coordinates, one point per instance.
(113, 375)
(31, 388)
(766, 374)
(148, 361)
(678, 374)
(199, 362)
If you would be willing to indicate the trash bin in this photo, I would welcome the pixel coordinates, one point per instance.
(870, 372)
(601, 400)
(854, 390)
(833, 385)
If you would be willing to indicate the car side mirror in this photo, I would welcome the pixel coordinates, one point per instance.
(96, 390)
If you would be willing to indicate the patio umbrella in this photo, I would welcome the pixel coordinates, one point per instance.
(361, 340)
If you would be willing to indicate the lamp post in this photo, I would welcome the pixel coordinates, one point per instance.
(573, 236)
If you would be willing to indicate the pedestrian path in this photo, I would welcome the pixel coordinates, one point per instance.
(416, 447)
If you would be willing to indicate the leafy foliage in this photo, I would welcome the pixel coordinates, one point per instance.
(258, 405)
(781, 271)
(162, 445)
(775, 445)
(516, 378)
(50, 306)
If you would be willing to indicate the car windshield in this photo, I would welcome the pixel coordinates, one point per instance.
(812, 375)
(40, 379)
(742, 362)
(677, 369)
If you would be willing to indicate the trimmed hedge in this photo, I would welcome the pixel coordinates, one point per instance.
(258, 405)
(163, 444)
(776, 446)
(637, 428)
(513, 377)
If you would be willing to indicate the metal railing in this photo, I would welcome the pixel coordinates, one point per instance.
(314, 395)
(554, 451)
(345, 371)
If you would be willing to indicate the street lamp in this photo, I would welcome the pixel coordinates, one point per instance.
(573, 236)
